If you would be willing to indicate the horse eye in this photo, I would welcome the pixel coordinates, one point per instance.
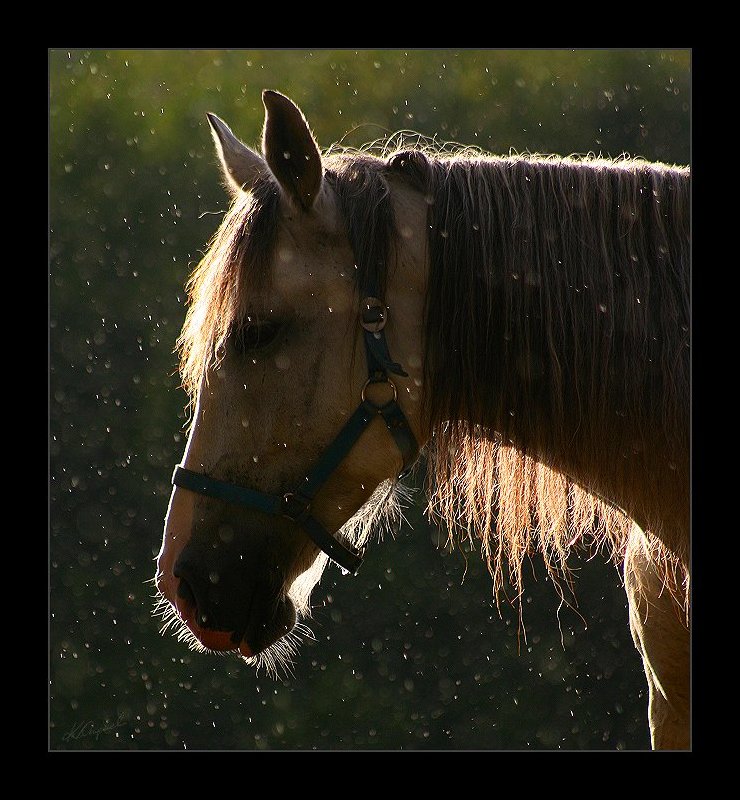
(253, 336)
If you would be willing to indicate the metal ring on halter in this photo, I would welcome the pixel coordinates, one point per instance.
(370, 381)
(374, 315)
(294, 506)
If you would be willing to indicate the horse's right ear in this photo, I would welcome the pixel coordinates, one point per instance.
(241, 166)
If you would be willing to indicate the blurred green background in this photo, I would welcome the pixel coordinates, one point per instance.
(412, 653)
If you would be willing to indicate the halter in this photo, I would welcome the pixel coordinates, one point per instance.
(296, 505)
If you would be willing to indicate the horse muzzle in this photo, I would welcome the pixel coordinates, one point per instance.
(229, 616)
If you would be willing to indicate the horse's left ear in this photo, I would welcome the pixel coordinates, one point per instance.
(290, 150)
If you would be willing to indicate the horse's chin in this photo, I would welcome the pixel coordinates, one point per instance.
(219, 641)
(282, 623)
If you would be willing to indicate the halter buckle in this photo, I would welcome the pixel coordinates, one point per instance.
(374, 315)
(294, 506)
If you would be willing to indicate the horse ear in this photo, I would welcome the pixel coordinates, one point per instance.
(290, 150)
(241, 166)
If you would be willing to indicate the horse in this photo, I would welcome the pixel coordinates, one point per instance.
(521, 321)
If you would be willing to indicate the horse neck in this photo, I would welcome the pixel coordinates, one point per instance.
(557, 314)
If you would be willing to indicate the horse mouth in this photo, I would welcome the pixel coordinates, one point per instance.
(218, 641)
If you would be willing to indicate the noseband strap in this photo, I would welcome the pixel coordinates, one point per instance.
(296, 505)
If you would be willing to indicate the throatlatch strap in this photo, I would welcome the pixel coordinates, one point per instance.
(398, 426)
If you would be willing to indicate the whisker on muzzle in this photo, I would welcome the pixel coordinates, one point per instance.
(277, 660)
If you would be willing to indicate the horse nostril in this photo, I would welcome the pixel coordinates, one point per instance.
(189, 608)
(191, 596)
(185, 592)
(200, 601)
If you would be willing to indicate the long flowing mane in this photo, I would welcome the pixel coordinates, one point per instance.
(560, 280)
(557, 308)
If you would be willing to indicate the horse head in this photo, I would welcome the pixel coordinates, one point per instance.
(299, 413)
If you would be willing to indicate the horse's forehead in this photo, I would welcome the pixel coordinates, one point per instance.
(311, 257)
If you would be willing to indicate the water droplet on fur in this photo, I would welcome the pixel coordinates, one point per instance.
(225, 533)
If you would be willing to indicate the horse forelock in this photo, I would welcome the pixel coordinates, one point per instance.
(235, 266)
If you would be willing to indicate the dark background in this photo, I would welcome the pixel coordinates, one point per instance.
(412, 653)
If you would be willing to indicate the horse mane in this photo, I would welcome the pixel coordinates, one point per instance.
(594, 251)
(560, 279)
(557, 307)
